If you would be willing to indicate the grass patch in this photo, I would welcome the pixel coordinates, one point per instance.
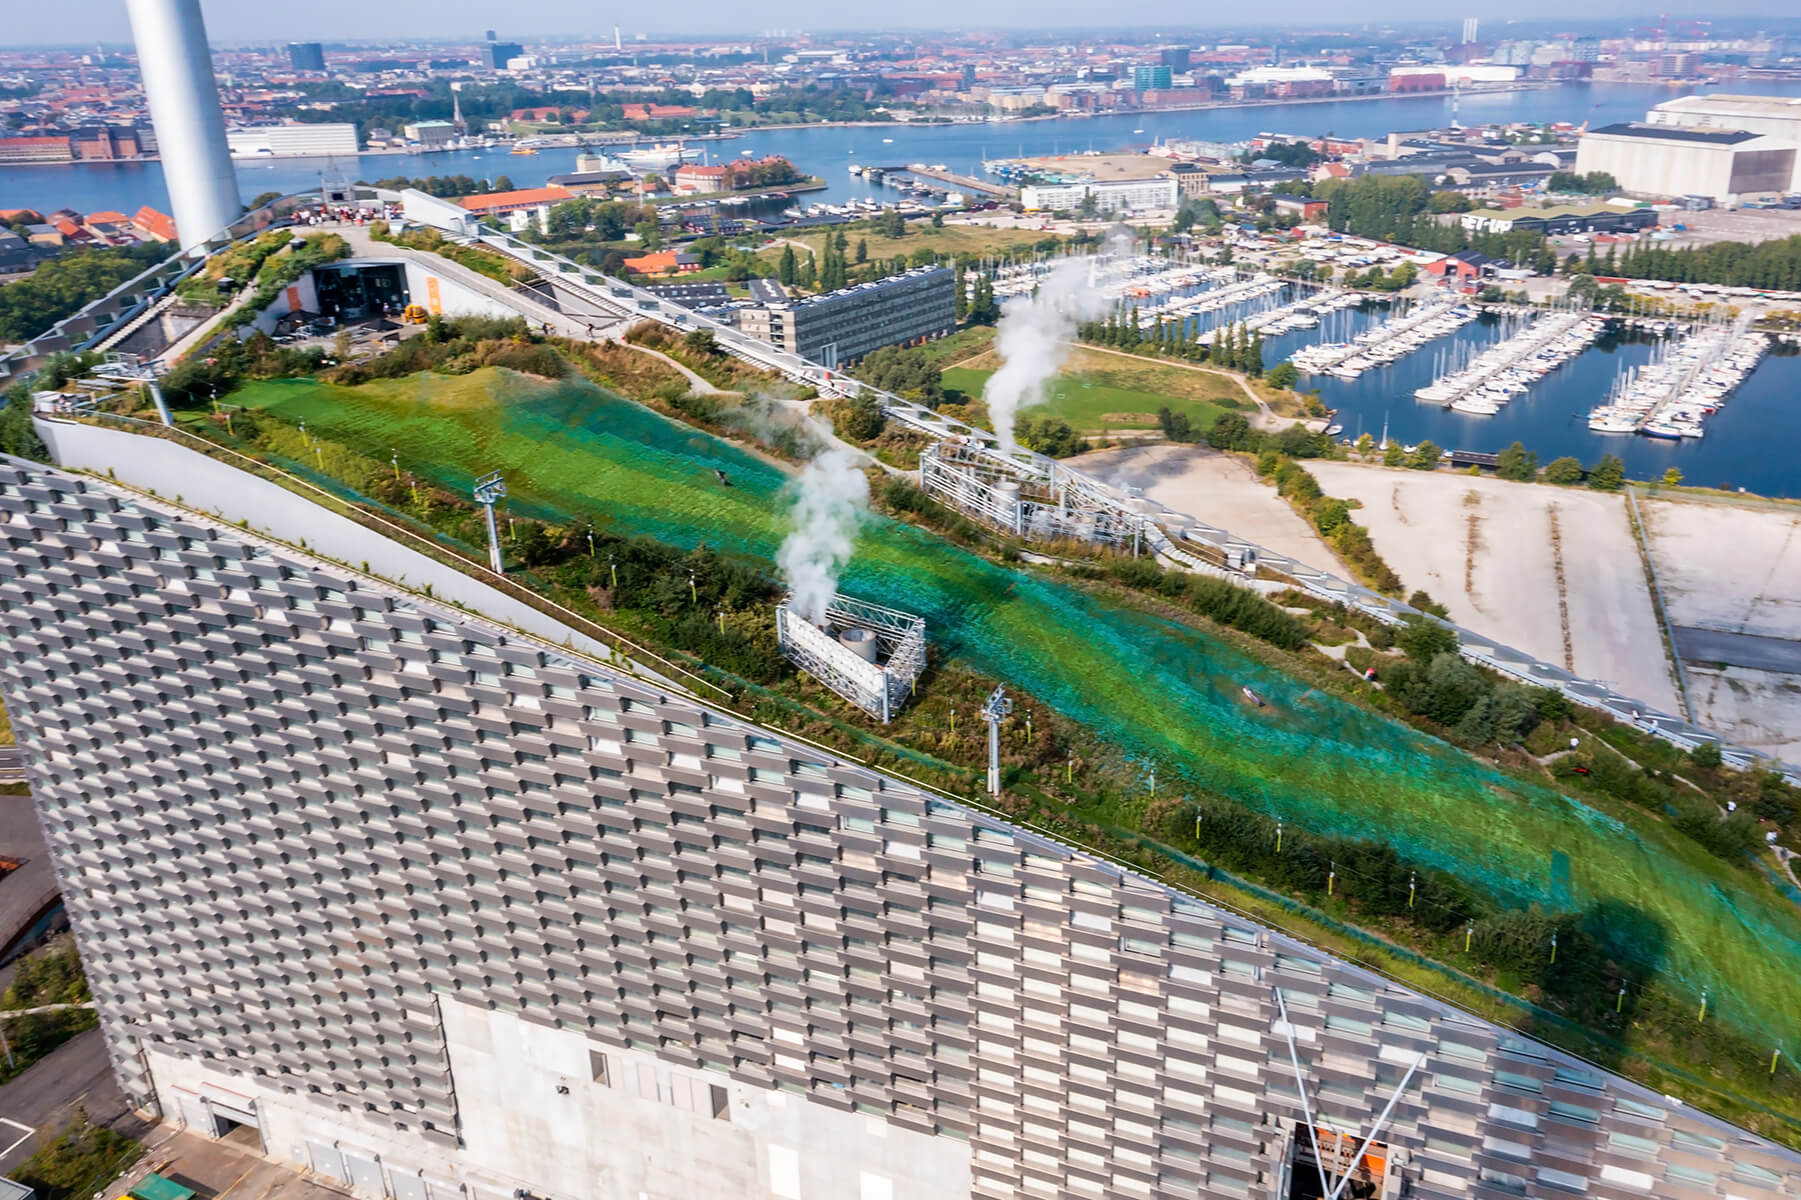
(948, 241)
(1105, 393)
(78, 1162)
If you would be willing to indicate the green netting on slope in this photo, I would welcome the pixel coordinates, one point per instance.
(1153, 687)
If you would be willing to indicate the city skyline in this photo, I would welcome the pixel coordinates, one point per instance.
(229, 24)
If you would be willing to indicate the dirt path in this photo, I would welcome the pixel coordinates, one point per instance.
(696, 383)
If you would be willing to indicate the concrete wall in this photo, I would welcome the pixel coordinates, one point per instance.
(1648, 167)
(534, 1114)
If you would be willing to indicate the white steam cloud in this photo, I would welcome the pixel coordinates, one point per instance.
(1033, 339)
(831, 501)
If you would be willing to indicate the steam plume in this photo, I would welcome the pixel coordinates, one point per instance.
(831, 500)
(1033, 339)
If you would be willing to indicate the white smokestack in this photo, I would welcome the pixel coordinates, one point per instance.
(831, 500)
(1032, 339)
(177, 69)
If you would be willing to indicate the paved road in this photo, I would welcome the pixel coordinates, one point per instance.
(76, 1073)
(1737, 649)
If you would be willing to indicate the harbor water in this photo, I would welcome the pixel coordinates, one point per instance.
(1754, 442)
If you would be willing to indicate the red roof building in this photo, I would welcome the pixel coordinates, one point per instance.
(663, 262)
(659, 112)
(155, 225)
(496, 203)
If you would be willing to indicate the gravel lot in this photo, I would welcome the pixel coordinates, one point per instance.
(1735, 566)
(1216, 488)
(1490, 552)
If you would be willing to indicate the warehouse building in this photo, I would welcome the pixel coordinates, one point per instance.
(1777, 116)
(843, 326)
(1657, 160)
(444, 912)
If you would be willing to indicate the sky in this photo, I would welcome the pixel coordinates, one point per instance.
(237, 21)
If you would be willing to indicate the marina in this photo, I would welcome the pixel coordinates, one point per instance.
(1685, 383)
(1387, 342)
(1484, 385)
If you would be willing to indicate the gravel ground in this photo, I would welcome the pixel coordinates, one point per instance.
(1492, 552)
(1735, 566)
(1219, 489)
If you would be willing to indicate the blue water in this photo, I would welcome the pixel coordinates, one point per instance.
(1755, 443)
(828, 152)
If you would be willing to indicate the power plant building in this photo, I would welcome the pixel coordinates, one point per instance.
(843, 326)
(448, 913)
(177, 70)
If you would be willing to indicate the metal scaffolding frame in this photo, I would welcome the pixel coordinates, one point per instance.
(1028, 495)
(879, 688)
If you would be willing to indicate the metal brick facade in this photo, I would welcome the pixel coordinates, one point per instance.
(289, 804)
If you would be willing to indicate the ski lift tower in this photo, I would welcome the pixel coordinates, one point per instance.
(996, 707)
(123, 370)
(488, 489)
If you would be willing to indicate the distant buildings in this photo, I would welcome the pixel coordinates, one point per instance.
(843, 326)
(429, 133)
(306, 56)
(292, 140)
(1151, 79)
(496, 55)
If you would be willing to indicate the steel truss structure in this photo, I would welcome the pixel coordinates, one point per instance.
(1028, 495)
(878, 688)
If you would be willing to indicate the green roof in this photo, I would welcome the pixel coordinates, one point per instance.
(1556, 210)
(155, 1187)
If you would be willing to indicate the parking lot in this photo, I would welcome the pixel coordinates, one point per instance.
(1740, 225)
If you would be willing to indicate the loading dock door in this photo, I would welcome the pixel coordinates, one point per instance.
(327, 1161)
(234, 1110)
(365, 1174)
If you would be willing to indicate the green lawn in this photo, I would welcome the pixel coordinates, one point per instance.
(1160, 691)
(1100, 393)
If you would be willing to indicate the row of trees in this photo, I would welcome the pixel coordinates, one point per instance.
(448, 186)
(1121, 331)
(62, 286)
(1238, 349)
(976, 302)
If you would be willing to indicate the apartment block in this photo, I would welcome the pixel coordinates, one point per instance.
(445, 911)
(843, 326)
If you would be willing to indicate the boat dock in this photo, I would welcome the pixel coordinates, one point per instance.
(1508, 368)
(1671, 396)
(1395, 338)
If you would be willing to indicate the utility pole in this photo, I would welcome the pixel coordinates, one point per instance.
(488, 489)
(994, 709)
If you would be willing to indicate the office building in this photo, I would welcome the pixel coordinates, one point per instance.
(1175, 58)
(1110, 195)
(496, 55)
(306, 56)
(1151, 79)
(1469, 30)
(443, 912)
(843, 326)
(1673, 160)
(295, 140)
(177, 70)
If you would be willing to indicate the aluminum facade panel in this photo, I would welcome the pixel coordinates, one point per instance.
(284, 828)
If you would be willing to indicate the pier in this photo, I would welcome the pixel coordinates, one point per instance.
(1395, 338)
(1509, 367)
(1671, 396)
